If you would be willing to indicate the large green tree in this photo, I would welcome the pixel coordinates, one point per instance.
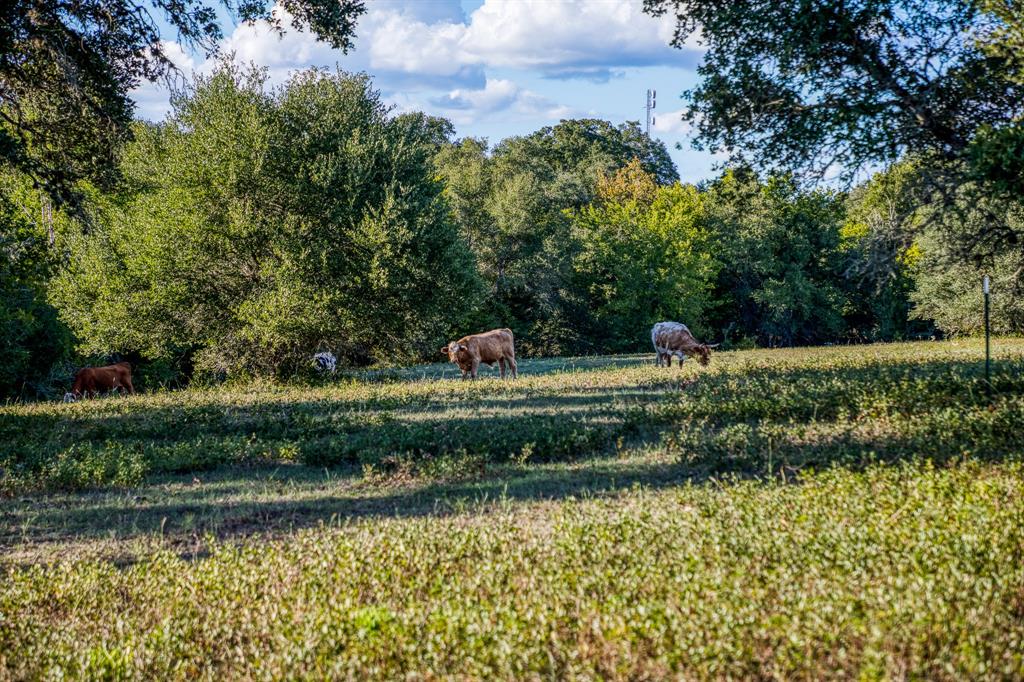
(258, 227)
(781, 270)
(512, 218)
(815, 86)
(643, 255)
(512, 204)
(67, 66)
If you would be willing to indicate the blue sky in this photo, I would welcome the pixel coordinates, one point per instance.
(494, 67)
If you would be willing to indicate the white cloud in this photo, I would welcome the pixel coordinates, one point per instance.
(671, 122)
(561, 38)
(589, 39)
(498, 95)
(573, 38)
(151, 98)
(260, 44)
(430, 46)
(177, 54)
(397, 42)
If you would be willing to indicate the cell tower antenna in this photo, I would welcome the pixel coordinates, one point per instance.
(652, 96)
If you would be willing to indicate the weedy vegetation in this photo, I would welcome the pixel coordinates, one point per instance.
(829, 512)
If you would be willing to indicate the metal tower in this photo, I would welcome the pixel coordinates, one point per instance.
(651, 102)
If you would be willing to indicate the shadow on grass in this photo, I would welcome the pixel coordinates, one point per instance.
(749, 421)
(239, 503)
(550, 423)
(527, 366)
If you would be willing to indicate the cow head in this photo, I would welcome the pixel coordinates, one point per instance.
(452, 350)
(70, 397)
(703, 353)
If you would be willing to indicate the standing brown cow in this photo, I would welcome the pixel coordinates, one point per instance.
(496, 345)
(674, 339)
(95, 380)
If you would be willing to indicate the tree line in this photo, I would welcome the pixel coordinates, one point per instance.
(256, 226)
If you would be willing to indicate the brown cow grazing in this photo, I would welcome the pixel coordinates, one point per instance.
(496, 345)
(95, 380)
(674, 339)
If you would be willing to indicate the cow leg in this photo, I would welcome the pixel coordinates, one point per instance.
(128, 385)
(501, 367)
(511, 360)
(475, 368)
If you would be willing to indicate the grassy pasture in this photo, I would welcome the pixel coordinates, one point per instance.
(845, 511)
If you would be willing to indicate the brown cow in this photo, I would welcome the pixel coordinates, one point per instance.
(496, 345)
(96, 380)
(674, 339)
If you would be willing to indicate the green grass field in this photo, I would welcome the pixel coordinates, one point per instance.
(828, 512)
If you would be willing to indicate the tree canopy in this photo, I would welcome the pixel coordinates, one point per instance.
(578, 145)
(513, 205)
(853, 83)
(256, 228)
(644, 254)
(67, 66)
(779, 282)
(820, 87)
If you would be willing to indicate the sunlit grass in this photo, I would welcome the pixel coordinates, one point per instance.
(420, 420)
(893, 572)
(831, 512)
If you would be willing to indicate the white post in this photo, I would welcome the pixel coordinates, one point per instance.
(984, 289)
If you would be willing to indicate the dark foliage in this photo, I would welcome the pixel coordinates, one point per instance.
(813, 86)
(66, 68)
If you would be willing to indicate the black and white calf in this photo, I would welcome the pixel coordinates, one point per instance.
(325, 361)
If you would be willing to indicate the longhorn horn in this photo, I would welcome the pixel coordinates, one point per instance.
(714, 345)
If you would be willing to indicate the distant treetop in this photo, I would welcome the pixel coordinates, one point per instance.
(575, 143)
